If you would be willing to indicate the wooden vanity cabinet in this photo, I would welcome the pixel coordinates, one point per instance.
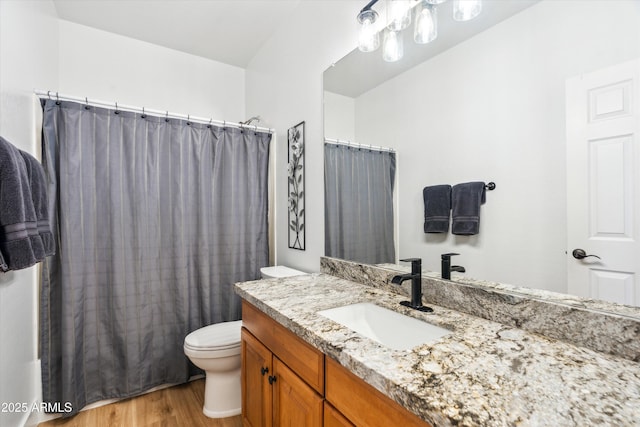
(282, 376)
(333, 418)
(294, 402)
(362, 404)
(257, 393)
(283, 384)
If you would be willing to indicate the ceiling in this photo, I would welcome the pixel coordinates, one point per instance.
(228, 31)
(233, 31)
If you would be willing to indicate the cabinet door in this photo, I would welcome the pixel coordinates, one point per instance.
(256, 390)
(333, 418)
(295, 404)
(362, 404)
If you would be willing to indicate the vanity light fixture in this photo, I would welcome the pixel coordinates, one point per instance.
(426, 28)
(398, 14)
(399, 18)
(466, 10)
(393, 48)
(368, 36)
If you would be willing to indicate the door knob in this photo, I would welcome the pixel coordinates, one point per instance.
(581, 254)
(263, 371)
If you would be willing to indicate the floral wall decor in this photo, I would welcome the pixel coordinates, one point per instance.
(295, 156)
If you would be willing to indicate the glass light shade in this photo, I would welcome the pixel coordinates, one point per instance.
(368, 37)
(465, 10)
(398, 14)
(426, 28)
(392, 49)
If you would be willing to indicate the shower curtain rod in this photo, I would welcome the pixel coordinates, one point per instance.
(357, 145)
(157, 113)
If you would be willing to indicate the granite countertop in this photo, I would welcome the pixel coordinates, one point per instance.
(483, 374)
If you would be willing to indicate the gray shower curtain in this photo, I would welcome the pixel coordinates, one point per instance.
(154, 220)
(358, 204)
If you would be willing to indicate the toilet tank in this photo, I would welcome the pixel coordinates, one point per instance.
(278, 271)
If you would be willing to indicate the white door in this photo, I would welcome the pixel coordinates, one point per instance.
(603, 183)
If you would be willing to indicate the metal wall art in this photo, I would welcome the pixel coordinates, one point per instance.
(295, 157)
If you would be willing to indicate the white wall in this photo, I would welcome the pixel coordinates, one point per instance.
(28, 59)
(109, 67)
(284, 86)
(339, 117)
(38, 51)
(493, 109)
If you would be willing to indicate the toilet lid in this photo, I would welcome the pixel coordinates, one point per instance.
(217, 336)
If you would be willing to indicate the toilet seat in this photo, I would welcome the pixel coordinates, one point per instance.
(214, 341)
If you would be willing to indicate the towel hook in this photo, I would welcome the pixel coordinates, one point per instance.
(490, 186)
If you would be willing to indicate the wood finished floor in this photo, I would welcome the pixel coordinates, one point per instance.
(175, 406)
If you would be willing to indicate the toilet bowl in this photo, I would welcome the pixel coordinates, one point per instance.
(216, 350)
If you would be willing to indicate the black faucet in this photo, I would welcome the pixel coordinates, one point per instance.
(447, 268)
(416, 284)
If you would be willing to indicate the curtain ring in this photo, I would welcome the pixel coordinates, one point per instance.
(57, 99)
(166, 117)
(209, 124)
(116, 112)
(86, 107)
(188, 120)
(49, 94)
(144, 116)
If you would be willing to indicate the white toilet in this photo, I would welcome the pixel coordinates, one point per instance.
(216, 350)
(278, 271)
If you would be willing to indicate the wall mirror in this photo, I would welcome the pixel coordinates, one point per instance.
(490, 100)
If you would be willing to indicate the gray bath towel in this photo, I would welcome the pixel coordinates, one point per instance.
(465, 207)
(20, 243)
(40, 202)
(437, 205)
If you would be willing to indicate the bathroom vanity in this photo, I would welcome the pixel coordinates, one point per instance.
(285, 379)
(300, 366)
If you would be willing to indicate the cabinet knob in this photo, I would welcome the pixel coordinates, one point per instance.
(264, 371)
(272, 379)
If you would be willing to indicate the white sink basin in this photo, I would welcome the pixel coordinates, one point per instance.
(387, 327)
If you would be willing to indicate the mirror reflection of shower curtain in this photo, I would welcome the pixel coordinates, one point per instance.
(154, 222)
(358, 185)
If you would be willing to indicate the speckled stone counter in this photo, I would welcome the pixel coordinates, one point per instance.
(483, 374)
(598, 325)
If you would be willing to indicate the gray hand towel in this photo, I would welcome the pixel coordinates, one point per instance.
(437, 204)
(465, 207)
(20, 243)
(38, 186)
